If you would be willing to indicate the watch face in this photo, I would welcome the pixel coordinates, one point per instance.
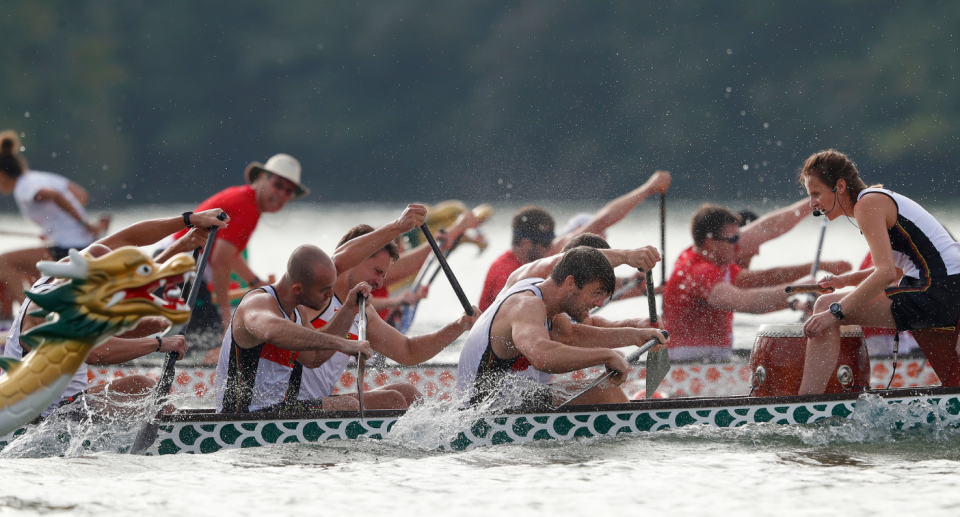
(834, 307)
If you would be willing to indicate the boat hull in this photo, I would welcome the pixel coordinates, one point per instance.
(200, 431)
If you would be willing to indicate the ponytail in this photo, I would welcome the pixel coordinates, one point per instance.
(11, 162)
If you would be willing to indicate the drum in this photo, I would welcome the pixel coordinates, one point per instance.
(777, 360)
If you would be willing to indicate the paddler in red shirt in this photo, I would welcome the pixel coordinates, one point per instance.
(708, 284)
(534, 237)
(269, 187)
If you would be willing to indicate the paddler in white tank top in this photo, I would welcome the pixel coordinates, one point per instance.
(908, 246)
(364, 256)
(262, 319)
(512, 336)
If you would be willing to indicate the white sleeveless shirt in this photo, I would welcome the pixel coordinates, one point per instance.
(922, 247)
(320, 382)
(478, 340)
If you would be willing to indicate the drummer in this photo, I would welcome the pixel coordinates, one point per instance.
(906, 243)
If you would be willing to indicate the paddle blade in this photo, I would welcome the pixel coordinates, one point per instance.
(658, 365)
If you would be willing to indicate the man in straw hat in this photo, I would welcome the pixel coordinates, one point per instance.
(269, 187)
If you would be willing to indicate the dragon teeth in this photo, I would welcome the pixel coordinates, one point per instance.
(116, 298)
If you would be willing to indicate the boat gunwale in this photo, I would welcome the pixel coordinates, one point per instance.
(208, 416)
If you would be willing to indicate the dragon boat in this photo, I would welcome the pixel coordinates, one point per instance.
(200, 431)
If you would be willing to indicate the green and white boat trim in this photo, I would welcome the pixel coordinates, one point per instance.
(202, 431)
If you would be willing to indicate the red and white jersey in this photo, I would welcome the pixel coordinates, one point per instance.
(319, 382)
(249, 379)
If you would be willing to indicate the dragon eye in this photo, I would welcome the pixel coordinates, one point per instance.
(144, 270)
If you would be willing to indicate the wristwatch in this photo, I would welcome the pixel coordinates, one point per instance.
(836, 311)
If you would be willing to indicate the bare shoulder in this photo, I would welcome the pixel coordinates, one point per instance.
(523, 306)
(258, 302)
(874, 205)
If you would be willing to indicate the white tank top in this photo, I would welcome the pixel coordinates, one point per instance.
(62, 229)
(253, 378)
(922, 247)
(320, 382)
(14, 349)
(478, 341)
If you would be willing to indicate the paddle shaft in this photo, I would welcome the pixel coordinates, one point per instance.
(148, 433)
(361, 361)
(632, 358)
(447, 271)
(808, 288)
(816, 260)
(651, 298)
(663, 241)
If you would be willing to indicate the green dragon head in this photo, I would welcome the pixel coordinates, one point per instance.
(108, 295)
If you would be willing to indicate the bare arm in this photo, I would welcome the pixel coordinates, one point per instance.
(64, 204)
(357, 250)
(727, 297)
(258, 320)
(531, 339)
(148, 232)
(771, 226)
(614, 211)
(78, 192)
(874, 213)
(119, 350)
(589, 336)
(410, 351)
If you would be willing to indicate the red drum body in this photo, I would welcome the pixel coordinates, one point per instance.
(778, 354)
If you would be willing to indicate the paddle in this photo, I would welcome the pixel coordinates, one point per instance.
(816, 260)
(447, 271)
(808, 288)
(658, 361)
(632, 358)
(148, 433)
(361, 361)
(663, 240)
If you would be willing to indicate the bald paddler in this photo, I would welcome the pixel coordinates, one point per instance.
(268, 189)
(267, 335)
(364, 257)
(509, 356)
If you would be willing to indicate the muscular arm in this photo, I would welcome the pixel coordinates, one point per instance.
(589, 336)
(614, 211)
(730, 298)
(148, 232)
(258, 320)
(357, 250)
(771, 226)
(410, 351)
(525, 317)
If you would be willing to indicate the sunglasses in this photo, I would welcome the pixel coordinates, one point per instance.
(732, 240)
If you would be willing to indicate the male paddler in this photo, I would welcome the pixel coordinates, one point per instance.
(268, 189)
(267, 334)
(509, 355)
(142, 340)
(364, 257)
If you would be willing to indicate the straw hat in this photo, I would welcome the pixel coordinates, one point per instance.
(282, 165)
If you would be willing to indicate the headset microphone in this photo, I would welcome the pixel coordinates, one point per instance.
(817, 213)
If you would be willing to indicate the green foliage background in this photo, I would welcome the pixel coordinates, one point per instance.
(148, 102)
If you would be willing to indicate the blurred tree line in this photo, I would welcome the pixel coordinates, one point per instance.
(147, 102)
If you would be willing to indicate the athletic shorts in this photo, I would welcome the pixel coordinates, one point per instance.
(537, 400)
(925, 303)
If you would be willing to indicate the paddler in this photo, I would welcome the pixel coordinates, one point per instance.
(707, 284)
(363, 258)
(54, 203)
(269, 187)
(267, 335)
(509, 356)
(534, 237)
(141, 341)
(906, 244)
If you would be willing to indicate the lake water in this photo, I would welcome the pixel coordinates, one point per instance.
(859, 467)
